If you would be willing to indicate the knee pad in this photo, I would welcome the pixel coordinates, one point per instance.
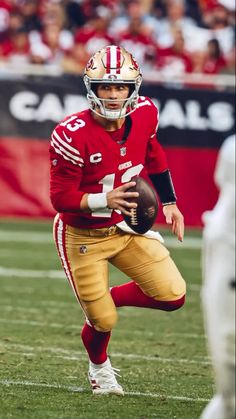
(101, 313)
(163, 282)
(105, 323)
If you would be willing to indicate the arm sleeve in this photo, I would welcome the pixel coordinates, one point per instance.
(164, 187)
(159, 173)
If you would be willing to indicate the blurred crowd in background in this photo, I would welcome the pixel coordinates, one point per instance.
(173, 37)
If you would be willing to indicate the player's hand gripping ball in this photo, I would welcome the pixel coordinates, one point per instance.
(143, 217)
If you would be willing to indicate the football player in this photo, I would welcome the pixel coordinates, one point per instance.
(219, 285)
(94, 155)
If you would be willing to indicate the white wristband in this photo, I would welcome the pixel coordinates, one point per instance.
(97, 201)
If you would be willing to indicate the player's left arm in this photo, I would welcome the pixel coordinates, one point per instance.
(163, 184)
(159, 174)
(175, 217)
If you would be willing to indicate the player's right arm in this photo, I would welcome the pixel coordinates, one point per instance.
(115, 199)
(66, 172)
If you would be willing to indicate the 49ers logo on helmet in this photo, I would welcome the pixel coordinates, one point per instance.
(90, 64)
(112, 77)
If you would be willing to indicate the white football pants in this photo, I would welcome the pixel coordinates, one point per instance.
(218, 298)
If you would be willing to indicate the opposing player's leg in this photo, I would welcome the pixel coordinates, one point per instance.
(157, 283)
(218, 297)
(214, 409)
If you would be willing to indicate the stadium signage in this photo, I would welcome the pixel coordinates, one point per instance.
(219, 115)
(30, 109)
(29, 106)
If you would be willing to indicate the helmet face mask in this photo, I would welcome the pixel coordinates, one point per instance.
(112, 65)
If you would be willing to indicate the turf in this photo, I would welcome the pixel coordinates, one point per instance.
(165, 368)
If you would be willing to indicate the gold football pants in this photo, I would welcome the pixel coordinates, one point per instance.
(85, 255)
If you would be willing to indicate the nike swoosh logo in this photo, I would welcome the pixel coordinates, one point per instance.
(69, 139)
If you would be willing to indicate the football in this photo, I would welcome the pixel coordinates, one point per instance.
(143, 217)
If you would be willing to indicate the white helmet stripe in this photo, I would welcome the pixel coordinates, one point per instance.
(113, 49)
(111, 63)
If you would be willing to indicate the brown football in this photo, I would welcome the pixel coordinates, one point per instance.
(143, 217)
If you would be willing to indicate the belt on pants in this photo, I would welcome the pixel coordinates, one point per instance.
(95, 232)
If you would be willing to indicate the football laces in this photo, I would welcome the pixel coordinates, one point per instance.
(134, 218)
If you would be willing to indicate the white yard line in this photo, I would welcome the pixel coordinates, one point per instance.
(43, 304)
(78, 356)
(52, 274)
(30, 273)
(16, 310)
(81, 357)
(24, 254)
(45, 238)
(75, 389)
(25, 237)
(11, 308)
(40, 324)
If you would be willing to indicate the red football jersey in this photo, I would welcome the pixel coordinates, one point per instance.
(85, 158)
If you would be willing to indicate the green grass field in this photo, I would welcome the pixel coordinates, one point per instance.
(165, 368)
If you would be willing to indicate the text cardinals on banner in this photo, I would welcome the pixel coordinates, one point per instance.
(188, 117)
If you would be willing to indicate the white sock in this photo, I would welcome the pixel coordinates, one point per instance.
(104, 364)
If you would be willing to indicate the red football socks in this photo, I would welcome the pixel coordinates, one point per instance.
(130, 294)
(95, 343)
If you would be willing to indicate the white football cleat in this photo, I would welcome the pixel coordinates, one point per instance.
(102, 379)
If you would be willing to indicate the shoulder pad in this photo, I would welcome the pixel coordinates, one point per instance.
(147, 106)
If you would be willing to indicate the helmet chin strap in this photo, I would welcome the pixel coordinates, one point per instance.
(113, 115)
(97, 103)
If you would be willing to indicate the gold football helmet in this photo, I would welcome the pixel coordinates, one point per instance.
(112, 64)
